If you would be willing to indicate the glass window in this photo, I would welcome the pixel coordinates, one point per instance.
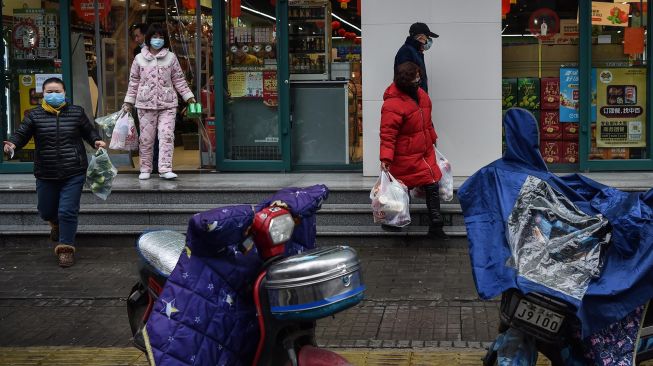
(32, 54)
(619, 124)
(251, 106)
(540, 71)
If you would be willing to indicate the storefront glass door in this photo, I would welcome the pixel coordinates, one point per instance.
(615, 106)
(31, 54)
(253, 133)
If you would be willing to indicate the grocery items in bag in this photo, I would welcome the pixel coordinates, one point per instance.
(100, 174)
(390, 201)
(446, 182)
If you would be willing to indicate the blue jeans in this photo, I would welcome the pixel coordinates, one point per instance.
(58, 201)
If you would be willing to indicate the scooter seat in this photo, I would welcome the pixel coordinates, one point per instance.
(161, 249)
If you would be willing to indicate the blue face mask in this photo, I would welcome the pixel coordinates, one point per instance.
(55, 99)
(428, 44)
(156, 43)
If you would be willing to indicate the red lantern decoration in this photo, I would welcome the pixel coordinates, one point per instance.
(350, 35)
(235, 8)
(342, 32)
(357, 41)
(358, 7)
(343, 3)
(505, 8)
(188, 4)
(335, 24)
(273, 2)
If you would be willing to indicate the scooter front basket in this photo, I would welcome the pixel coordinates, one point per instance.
(315, 284)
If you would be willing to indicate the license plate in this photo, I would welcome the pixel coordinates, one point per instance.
(539, 316)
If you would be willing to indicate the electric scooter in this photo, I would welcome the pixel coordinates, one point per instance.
(290, 293)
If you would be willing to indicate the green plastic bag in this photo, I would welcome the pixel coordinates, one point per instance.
(100, 174)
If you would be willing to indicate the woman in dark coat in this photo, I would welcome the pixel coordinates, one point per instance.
(407, 139)
(60, 162)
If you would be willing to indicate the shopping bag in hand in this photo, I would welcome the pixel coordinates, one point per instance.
(100, 174)
(390, 201)
(124, 136)
(446, 182)
(108, 122)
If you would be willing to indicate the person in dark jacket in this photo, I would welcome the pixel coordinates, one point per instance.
(138, 32)
(59, 131)
(420, 39)
(407, 139)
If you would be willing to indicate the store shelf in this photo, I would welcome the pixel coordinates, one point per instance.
(307, 20)
(306, 52)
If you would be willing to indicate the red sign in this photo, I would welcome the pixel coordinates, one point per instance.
(550, 90)
(551, 151)
(85, 9)
(270, 94)
(550, 128)
(570, 152)
(570, 131)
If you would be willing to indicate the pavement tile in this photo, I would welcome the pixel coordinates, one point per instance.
(416, 295)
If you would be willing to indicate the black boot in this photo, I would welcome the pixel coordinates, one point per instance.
(432, 192)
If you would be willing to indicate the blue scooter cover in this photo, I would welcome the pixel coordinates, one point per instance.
(488, 199)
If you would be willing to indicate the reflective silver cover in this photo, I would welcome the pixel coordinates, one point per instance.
(162, 249)
(315, 284)
(553, 242)
(313, 266)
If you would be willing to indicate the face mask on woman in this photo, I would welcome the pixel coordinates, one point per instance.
(156, 43)
(55, 99)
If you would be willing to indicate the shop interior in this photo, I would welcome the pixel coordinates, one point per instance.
(540, 72)
(324, 46)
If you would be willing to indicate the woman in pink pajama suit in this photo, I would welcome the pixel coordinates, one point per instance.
(155, 78)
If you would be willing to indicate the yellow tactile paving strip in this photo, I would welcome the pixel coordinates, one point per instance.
(68, 356)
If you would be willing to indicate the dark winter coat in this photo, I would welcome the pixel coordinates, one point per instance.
(407, 137)
(60, 151)
(411, 51)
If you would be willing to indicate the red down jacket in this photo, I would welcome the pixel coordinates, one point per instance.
(407, 137)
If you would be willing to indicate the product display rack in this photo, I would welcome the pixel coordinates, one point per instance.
(309, 41)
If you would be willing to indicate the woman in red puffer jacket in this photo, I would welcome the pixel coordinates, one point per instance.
(407, 139)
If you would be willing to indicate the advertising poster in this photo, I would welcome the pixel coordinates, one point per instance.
(270, 94)
(613, 14)
(29, 99)
(40, 78)
(570, 94)
(622, 101)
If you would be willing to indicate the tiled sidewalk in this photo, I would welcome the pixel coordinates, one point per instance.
(417, 296)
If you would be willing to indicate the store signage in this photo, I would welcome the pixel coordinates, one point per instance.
(40, 78)
(270, 93)
(85, 9)
(570, 94)
(622, 103)
(613, 14)
(568, 33)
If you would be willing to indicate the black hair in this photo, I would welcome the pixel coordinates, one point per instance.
(54, 81)
(157, 28)
(140, 26)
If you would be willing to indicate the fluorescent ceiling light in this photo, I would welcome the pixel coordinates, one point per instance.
(346, 22)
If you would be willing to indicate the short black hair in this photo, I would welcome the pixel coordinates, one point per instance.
(157, 28)
(140, 26)
(54, 81)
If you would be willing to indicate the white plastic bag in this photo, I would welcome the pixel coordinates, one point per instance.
(100, 174)
(446, 182)
(390, 201)
(124, 136)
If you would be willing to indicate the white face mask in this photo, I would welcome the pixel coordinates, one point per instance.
(428, 44)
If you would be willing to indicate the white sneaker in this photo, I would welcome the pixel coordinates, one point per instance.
(168, 175)
(144, 176)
